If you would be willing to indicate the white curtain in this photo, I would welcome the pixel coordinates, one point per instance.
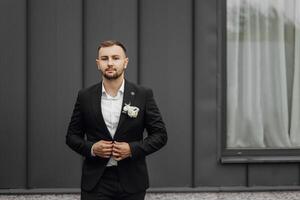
(263, 73)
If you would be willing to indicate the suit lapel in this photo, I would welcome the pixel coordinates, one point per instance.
(96, 101)
(128, 98)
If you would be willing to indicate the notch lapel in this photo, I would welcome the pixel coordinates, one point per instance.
(128, 98)
(96, 101)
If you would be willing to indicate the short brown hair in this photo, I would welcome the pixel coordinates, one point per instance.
(109, 43)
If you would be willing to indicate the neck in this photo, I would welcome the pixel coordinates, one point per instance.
(112, 86)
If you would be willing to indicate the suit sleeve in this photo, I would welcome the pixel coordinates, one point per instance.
(75, 134)
(157, 134)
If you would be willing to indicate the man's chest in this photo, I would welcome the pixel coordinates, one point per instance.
(111, 111)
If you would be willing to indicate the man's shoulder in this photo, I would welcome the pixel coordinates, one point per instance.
(133, 86)
(90, 89)
(138, 87)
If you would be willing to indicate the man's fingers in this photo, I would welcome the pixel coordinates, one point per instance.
(118, 143)
(99, 149)
(106, 142)
(117, 148)
(116, 154)
(117, 151)
(105, 145)
(118, 158)
(107, 149)
(104, 152)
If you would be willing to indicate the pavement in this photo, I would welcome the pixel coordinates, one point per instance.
(293, 195)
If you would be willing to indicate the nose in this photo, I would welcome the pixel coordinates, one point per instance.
(110, 61)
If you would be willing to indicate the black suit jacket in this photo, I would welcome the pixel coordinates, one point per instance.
(87, 120)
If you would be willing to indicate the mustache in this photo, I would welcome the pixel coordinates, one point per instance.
(110, 68)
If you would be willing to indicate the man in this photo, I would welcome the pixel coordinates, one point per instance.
(113, 115)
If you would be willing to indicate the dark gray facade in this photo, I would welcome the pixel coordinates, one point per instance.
(48, 50)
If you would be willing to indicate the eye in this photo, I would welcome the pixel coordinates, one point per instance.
(116, 58)
(103, 58)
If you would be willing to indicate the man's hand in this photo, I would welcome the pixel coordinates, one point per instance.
(121, 150)
(103, 148)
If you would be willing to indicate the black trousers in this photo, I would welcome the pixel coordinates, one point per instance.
(109, 188)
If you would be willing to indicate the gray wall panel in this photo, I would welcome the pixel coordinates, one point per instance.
(166, 67)
(273, 174)
(109, 19)
(63, 36)
(208, 170)
(13, 94)
(55, 77)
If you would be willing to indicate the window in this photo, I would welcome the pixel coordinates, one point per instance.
(263, 74)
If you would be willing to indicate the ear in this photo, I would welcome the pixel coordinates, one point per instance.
(126, 62)
(98, 63)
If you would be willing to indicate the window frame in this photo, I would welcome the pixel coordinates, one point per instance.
(226, 155)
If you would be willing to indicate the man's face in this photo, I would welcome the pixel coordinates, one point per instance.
(112, 62)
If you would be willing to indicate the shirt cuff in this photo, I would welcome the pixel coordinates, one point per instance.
(92, 153)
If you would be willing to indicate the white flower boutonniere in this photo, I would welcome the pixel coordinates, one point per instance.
(131, 111)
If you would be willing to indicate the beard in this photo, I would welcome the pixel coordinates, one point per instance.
(113, 76)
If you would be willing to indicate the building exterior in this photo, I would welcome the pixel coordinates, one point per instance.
(177, 47)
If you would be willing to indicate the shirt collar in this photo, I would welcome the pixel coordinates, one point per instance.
(121, 89)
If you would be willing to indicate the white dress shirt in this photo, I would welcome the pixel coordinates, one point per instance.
(111, 111)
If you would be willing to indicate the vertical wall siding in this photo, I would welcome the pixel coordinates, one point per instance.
(103, 20)
(48, 51)
(13, 94)
(208, 170)
(166, 67)
(55, 76)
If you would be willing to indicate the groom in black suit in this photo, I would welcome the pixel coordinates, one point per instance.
(113, 115)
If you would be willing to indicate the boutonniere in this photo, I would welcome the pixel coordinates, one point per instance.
(131, 111)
